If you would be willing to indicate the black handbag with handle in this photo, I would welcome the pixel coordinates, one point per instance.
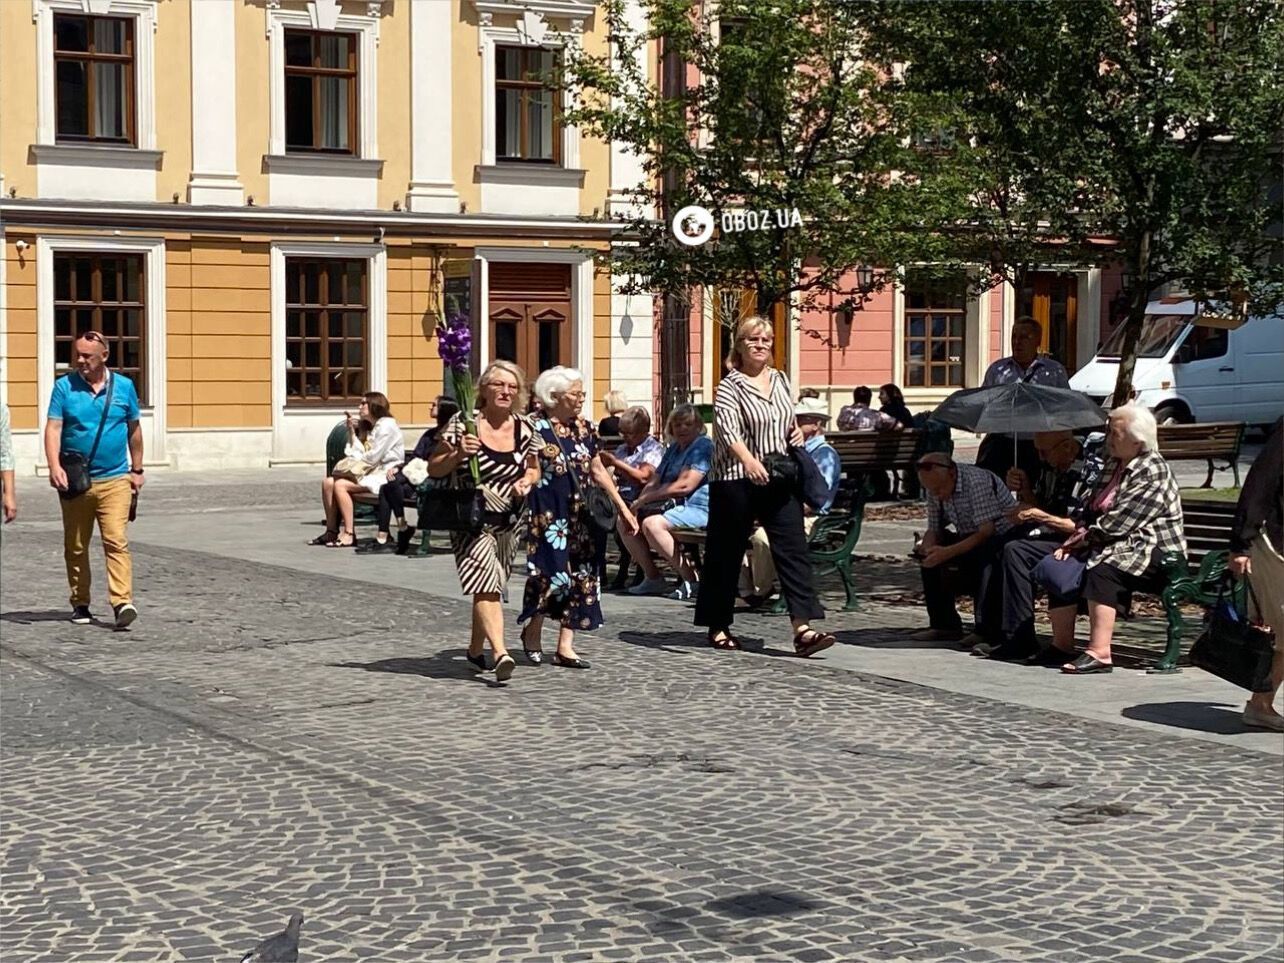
(597, 503)
(1233, 648)
(452, 508)
(74, 464)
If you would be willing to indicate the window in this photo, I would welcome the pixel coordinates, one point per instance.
(102, 292)
(94, 79)
(527, 116)
(320, 92)
(1203, 343)
(326, 316)
(935, 318)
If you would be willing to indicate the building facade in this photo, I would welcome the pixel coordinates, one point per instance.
(265, 204)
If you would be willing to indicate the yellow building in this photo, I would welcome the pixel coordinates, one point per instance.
(257, 201)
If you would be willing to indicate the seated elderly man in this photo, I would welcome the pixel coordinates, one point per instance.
(1046, 513)
(976, 504)
(1131, 521)
(635, 462)
(859, 416)
(758, 574)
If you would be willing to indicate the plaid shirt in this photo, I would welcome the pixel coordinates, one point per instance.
(1146, 515)
(979, 497)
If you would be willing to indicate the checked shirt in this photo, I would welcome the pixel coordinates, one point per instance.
(1146, 515)
(979, 497)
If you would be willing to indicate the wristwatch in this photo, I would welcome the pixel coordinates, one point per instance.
(135, 471)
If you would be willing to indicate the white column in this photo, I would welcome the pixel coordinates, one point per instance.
(627, 173)
(214, 179)
(432, 182)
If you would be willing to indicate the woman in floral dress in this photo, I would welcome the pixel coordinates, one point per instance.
(563, 549)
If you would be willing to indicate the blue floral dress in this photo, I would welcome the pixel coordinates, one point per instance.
(563, 551)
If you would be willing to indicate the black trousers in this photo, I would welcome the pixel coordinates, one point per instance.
(1016, 586)
(392, 500)
(995, 454)
(733, 507)
(968, 574)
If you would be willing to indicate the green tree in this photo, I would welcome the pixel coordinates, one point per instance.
(770, 109)
(1142, 133)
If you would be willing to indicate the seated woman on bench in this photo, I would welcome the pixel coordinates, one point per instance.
(382, 448)
(676, 497)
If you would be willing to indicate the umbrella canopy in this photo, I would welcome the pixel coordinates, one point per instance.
(1019, 408)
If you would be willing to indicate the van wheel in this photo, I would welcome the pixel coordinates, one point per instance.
(1172, 414)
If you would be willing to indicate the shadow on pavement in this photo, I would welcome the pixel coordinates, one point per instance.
(761, 903)
(1203, 716)
(52, 615)
(447, 664)
(890, 638)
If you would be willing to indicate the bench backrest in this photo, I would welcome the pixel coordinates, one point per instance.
(873, 450)
(1208, 526)
(1210, 440)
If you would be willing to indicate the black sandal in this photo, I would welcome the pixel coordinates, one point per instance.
(727, 644)
(1087, 664)
(808, 642)
(325, 538)
(335, 543)
(478, 661)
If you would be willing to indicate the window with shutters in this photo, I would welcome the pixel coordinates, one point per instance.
(530, 315)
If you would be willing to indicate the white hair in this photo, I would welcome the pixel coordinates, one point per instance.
(553, 383)
(1139, 424)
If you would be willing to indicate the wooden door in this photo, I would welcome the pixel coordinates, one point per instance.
(529, 314)
(730, 306)
(1052, 299)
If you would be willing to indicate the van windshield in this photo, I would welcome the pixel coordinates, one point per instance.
(1158, 334)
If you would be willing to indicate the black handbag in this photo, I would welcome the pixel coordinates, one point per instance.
(782, 468)
(452, 507)
(597, 503)
(1233, 648)
(76, 465)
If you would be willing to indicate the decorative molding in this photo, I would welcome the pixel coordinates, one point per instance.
(143, 12)
(325, 165)
(153, 417)
(542, 175)
(367, 30)
(96, 155)
(567, 10)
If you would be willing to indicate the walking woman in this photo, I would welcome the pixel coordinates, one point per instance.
(753, 420)
(563, 549)
(507, 451)
(374, 437)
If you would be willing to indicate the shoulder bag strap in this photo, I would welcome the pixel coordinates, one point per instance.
(102, 422)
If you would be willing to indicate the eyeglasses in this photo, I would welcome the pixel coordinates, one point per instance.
(761, 342)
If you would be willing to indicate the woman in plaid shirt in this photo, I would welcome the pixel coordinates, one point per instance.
(1133, 519)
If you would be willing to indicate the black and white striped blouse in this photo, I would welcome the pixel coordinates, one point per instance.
(742, 414)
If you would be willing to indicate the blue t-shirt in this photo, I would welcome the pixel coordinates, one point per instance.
(830, 465)
(74, 403)
(697, 455)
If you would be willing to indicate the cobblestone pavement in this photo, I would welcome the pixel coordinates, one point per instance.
(267, 739)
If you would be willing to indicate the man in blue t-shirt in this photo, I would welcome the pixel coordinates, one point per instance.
(91, 396)
(758, 573)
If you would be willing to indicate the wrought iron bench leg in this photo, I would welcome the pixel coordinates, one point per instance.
(1172, 607)
(845, 573)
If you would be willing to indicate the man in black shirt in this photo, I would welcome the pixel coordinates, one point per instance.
(1047, 512)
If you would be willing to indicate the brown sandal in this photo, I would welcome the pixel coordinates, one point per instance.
(808, 642)
(727, 644)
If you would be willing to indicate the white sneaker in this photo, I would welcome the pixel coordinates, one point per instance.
(650, 586)
(684, 592)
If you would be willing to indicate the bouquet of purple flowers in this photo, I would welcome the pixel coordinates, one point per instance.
(455, 345)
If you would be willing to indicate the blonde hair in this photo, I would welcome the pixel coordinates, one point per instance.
(523, 392)
(616, 401)
(747, 326)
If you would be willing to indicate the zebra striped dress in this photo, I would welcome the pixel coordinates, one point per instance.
(485, 559)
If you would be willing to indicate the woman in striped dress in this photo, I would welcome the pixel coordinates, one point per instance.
(507, 450)
(753, 419)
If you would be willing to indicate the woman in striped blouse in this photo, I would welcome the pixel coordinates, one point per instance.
(753, 419)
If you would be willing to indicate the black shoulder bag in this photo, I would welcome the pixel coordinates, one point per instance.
(76, 465)
(593, 500)
(1231, 646)
(452, 504)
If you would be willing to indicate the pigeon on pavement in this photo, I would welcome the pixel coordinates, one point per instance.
(282, 948)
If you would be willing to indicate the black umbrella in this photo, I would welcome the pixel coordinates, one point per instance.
(1019, 408)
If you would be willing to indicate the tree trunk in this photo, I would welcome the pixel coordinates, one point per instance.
(1133, 323)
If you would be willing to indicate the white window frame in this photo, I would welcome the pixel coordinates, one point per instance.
(976, 339)
(367, 30)
(154, 251)
(143, 13)
(492, 36)
(376, 256)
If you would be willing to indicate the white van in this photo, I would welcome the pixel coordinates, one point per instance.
(1193, 367)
